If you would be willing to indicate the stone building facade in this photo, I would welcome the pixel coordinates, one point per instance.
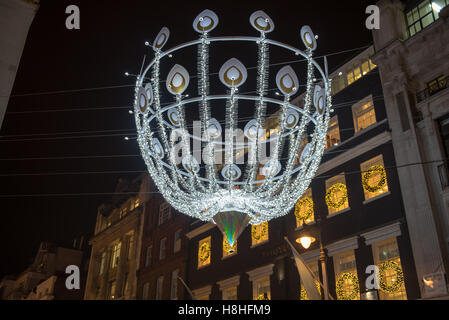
(412, 53)
(116, 243)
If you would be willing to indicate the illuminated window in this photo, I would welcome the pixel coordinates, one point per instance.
(103, 262)
(304, 212)
(436, 85)
(115, 257)
(333, 133)
(336, 194)
(364, 114)
(424, 14)
(159, 287)
(261, 288)
(229, 293)
(136, 203)
(164, 213)
(146, 291)
(259, 233)
(386, 257)
(148, 256)
(112, 287)
(204, 252)
(314, 267)
(374, 177)
(162, 248)
(174, 285)
(347, 286)
(177, 242)
(229, 251)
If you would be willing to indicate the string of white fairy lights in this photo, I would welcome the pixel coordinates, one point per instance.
(202, 195)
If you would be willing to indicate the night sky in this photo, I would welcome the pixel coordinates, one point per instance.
(110, 42)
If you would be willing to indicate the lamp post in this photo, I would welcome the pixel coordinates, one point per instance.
(305, 242)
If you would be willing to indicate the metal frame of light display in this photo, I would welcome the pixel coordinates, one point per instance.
(227, 195)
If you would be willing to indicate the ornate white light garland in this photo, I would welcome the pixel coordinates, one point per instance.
(203, 190)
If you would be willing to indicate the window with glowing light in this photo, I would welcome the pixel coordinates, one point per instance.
(261, 288)
(259, 233)
(363, 114)
(374, 177)
(336, 194)
(227, 248)
(115, 257)
(112, 287)
(304, 212)
(204, 252)
(347, 286)
(333, 133)
(423, 15)
(384, 252)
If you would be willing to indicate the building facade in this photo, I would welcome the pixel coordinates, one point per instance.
(16, 17)
(45, 278)
(116, 243)
(164, 251)
(353, 207)
(412, 52)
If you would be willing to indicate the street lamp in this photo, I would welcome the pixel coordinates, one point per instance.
(306, 241)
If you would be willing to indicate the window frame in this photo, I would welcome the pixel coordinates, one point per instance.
(332, 127)
(164, 213)
(357, 113)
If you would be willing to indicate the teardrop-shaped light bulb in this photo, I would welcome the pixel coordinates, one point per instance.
(287, 81)
(161, 39)
(177, 80)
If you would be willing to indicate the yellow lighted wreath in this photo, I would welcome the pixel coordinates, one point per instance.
(330, 193)
(396, 286)
(367, 175)
(306, 201)
(204, 252)
(259, 235)
(355, 286)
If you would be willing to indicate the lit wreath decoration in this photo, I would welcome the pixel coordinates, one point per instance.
(259, 235)
(367, 175)
(330, 192)
(399, 277)
(308, 213)
(304, 296)
(355, 286)
(204, 252)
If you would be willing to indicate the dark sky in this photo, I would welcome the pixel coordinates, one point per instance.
(110, 42)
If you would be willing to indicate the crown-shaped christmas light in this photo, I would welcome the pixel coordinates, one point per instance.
(232, 194)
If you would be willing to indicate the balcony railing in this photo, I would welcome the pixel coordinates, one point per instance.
(433, 89)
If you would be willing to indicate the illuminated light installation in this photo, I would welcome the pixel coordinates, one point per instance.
(232, 195)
